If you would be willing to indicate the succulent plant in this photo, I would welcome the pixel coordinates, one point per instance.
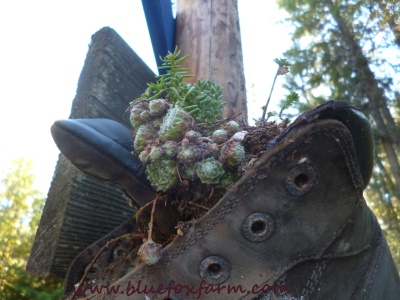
(201, 100)
(168, 138)
(214, 149)
(228, 177)
(139, 113)
(158, 107)
(188, 171)
(175, 124)
(162, 174)
(143, 156)
(150, 252)
(209, 170)
(156, 122)
(156, 153)
(170, 148)
(189, 154)
(144, 137)
(192, 136)
(232, 154)
(220, 136)
(185, 142)
(231, 127)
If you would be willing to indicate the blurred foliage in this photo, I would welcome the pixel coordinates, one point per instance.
(20, 211)
(349, 50)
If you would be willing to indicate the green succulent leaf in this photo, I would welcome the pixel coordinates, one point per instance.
(209, 170)
(144, 135)
(162, 174)
(232, 154)
(175, 124)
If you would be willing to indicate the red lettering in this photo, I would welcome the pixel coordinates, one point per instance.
(235, 289)
(178, 289)
(265, 291)
(148, 291)
(255, 286)
(281, 289)
(212, 290)
(131, 289)
(220, 287)
(201, 287)
(111, 289)
(77, 292)
(169, 288)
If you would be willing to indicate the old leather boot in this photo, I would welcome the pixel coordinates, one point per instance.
(295, 226)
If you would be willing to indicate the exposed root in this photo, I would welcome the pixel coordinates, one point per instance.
(105, 247)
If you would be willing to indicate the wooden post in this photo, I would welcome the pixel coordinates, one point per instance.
(209, 31)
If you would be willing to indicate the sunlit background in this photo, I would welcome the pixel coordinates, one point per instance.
(43, 48)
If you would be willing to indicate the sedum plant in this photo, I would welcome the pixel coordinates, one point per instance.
(203, 100)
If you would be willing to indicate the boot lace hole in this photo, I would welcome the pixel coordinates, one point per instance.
(302, 180)
(119, 252)
(214, 270)
(94, 271)
(258, 227)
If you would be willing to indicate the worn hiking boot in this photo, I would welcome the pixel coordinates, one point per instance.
(295, 226)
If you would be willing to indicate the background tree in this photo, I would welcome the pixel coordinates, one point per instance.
(20, 210)
(349, 50)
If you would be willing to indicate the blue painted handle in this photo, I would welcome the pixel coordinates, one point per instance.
(161, 24)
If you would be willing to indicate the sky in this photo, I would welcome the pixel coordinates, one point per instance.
(43, 48)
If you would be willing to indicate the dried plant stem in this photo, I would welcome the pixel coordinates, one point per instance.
(198, 205)
(139, 213)
(151, 219)
(216, 123)
(92, 296)
(109, 243)
(269, 97)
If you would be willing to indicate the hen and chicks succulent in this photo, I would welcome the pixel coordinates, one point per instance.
(174, 147)
(178, 132)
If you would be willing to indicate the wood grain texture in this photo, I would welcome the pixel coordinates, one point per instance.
(79, 208)
(208, 30)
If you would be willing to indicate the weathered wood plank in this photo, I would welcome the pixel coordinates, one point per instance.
(79, 208)
(209, 31)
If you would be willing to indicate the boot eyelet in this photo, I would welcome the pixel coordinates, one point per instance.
(214, 269)
(94, 271)
(119, 252)
(258, 227)
(300, 179)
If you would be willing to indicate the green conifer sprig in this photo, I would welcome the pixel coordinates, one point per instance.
(292, 98)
